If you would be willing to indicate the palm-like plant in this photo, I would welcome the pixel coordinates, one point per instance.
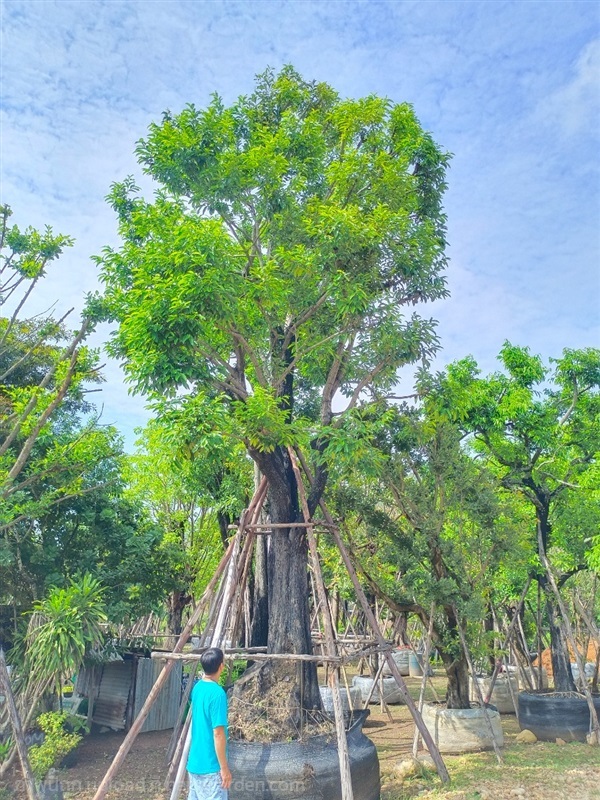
(64, 628)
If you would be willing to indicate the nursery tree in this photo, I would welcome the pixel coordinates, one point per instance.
(539, 427)
(426, 531)
(275, 270)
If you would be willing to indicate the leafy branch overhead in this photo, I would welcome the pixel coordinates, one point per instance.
(278, 262)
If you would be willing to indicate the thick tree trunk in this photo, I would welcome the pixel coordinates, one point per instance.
(457, 672)
(561, 662)
(288, 685)
(289, 619)
(259, 625)
(401, 628)
(175, 605)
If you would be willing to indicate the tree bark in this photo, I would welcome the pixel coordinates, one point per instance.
(288, 626)
(259, 625)
(176, 604)
(561, 661)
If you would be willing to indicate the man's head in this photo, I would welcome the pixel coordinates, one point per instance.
(212, 660)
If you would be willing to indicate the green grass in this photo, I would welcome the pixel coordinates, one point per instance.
(543, 769)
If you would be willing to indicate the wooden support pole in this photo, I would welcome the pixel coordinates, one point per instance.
(425, 676)
(508, 637)
(17, 729)
(386, 648)
(161, 680)
(338, 713)
(478, 691)
(233, 582)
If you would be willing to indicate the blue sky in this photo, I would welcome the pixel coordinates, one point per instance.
(512, 89)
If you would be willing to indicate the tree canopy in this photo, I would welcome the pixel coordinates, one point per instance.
(276, 270)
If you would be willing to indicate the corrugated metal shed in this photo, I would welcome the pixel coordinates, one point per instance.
(123, 689)
(163, 713)
(113, 695)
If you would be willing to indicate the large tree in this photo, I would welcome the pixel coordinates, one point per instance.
(274, 271)
(538, 426)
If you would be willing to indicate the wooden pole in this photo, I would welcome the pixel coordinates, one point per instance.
(478, 691)
(338, 713)
(425, 676)
(161, 680)
(17, 729)
(236, 573)
(508, 637)
(372, 622)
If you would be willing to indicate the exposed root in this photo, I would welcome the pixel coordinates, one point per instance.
(265, 706)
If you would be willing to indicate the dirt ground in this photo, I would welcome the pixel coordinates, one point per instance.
(543, 771)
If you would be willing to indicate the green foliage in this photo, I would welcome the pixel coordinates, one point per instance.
(58, 742)
(539, 429)
(5, 748)
(64, 627)
(272, 270)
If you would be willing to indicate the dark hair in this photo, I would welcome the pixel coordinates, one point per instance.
(211, 660)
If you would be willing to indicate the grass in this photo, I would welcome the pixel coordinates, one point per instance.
(543, 770)
(540, 771)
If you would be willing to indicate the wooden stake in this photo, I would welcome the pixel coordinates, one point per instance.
(372, 622)
(425, 676)
(161, 680)
(508, 637)
(17, 729)
(478, 691)
(344, 758)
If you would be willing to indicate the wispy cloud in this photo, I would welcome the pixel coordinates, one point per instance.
(511, 88)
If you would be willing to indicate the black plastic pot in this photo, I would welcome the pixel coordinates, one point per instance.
(553, 715)
(307, 770)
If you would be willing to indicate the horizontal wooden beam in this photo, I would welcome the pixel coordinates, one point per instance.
(251, 656)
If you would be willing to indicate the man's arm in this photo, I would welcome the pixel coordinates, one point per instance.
(220, 748)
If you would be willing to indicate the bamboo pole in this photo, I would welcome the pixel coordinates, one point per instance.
(425, 677)
(232, 583)
(344, 758)
(160, 681)
(17, 729)
(372, 622)
(181, 714)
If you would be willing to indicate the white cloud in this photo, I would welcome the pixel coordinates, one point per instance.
(575, 106)
(510, 88)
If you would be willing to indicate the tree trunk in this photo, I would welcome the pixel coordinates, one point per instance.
(175, 605)
(260, 613)
(288, 625)
(457, 672)
(561, 662)
(287, 571)
(401, 628)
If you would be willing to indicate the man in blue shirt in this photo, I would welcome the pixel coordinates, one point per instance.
(210, 777)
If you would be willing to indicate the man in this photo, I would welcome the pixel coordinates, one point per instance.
(210, 777)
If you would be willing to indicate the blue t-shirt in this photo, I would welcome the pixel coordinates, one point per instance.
(209, 711)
